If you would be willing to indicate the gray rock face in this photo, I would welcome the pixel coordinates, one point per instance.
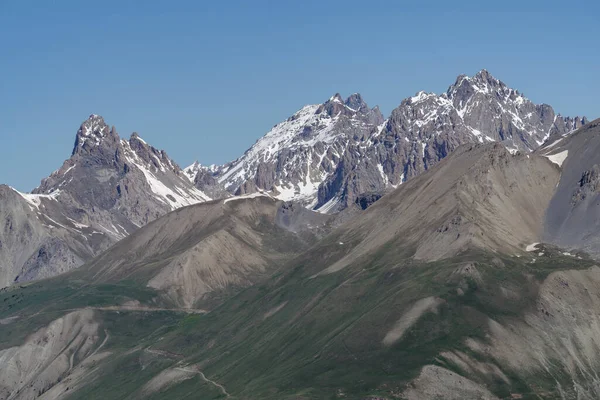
(588, 185)
(108, 176)
(34, 244)
(106, 190)
(327, 156)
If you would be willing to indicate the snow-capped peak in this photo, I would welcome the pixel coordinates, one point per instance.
(421, 96)
(191, 171)
(305, 149)
(330, 153)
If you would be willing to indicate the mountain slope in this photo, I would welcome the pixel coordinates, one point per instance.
(481, 196)
(106, 190)
(200, 252)
(573, 218)
(328, 155)
(34, 244)
(398, 305)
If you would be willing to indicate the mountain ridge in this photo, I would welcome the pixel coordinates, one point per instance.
(338, 161)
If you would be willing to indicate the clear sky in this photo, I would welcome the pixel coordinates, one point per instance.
(204, 79)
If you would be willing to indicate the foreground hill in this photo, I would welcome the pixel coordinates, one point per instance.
(435, 291)
(203, 250)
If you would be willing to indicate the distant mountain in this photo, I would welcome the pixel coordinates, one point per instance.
(329, 155)
(106, 190)
(298, 155)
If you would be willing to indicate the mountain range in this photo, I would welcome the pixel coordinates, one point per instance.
(329, 155)
(446, 252)
(326, 157)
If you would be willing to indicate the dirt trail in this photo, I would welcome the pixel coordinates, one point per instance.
(221, 387)
(150, 309)
(125, 309)
(72, 357)
(164, 353)
(106, 336)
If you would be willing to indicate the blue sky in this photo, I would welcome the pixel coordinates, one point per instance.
(204, 81)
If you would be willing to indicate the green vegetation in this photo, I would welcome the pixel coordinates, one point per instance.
(294, 337)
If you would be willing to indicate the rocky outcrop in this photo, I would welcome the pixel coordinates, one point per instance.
(588, 184)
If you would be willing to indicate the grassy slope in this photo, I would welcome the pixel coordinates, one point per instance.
(327, 338)
(324, 341)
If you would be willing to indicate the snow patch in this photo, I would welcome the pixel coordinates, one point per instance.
(247, 196)
(77, 224)
(327, 207)
(531, 247)
(382, 173)
(35, 200)
(553, 144)
(68, 169)
(558, 158)
(512, 150)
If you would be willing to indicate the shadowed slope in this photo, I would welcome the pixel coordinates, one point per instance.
(573, 216)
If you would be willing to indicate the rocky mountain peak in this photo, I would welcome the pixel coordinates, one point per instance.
(192, 170)
(106, 190)
(484, 75)
(482, 83)
(335, 106)
(139, 145)
(93, 133)
(356, 102)
(135, 137)
(154, 158)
